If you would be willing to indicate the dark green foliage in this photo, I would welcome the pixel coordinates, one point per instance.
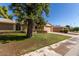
(69, 28)
(40, 24)
(6, 37)
(75, 29)
(33, 11)
(65, 30)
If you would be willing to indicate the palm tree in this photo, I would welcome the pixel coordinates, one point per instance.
(4, 13)
(29, 13)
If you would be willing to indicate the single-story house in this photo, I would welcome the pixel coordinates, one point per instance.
(21, 27)
(51, 28)
(57, 28)
(48, 27)
(7, 24)
(10, 25)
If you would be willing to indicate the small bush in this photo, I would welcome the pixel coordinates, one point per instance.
(61, 30)
(64, 31)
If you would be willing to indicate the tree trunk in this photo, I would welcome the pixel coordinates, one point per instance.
(29, 28)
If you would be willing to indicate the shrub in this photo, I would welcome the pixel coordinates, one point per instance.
(64, 30)
(61, 30)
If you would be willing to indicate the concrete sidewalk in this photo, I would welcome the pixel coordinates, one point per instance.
(66, 34)
(74, 51)
(63, 48)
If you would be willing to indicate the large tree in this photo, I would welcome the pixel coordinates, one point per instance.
(29, 13)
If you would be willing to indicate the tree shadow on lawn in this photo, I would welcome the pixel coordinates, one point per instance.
(6, 38)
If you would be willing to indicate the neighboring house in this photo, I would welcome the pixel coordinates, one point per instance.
(57, 28)
(7, 24)
(10, 25)
(51, 28)
(48, 27)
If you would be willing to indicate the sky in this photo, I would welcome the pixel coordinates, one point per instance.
(61, 14)
(6, 4)
(64, 14)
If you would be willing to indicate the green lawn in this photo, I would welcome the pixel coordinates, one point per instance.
(27, 45)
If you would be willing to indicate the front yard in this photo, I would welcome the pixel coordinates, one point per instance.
(17, 44)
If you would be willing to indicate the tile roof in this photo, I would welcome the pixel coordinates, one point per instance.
(6, 21)
(48, 24)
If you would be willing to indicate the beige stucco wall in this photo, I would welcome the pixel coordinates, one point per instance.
(48, 29)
